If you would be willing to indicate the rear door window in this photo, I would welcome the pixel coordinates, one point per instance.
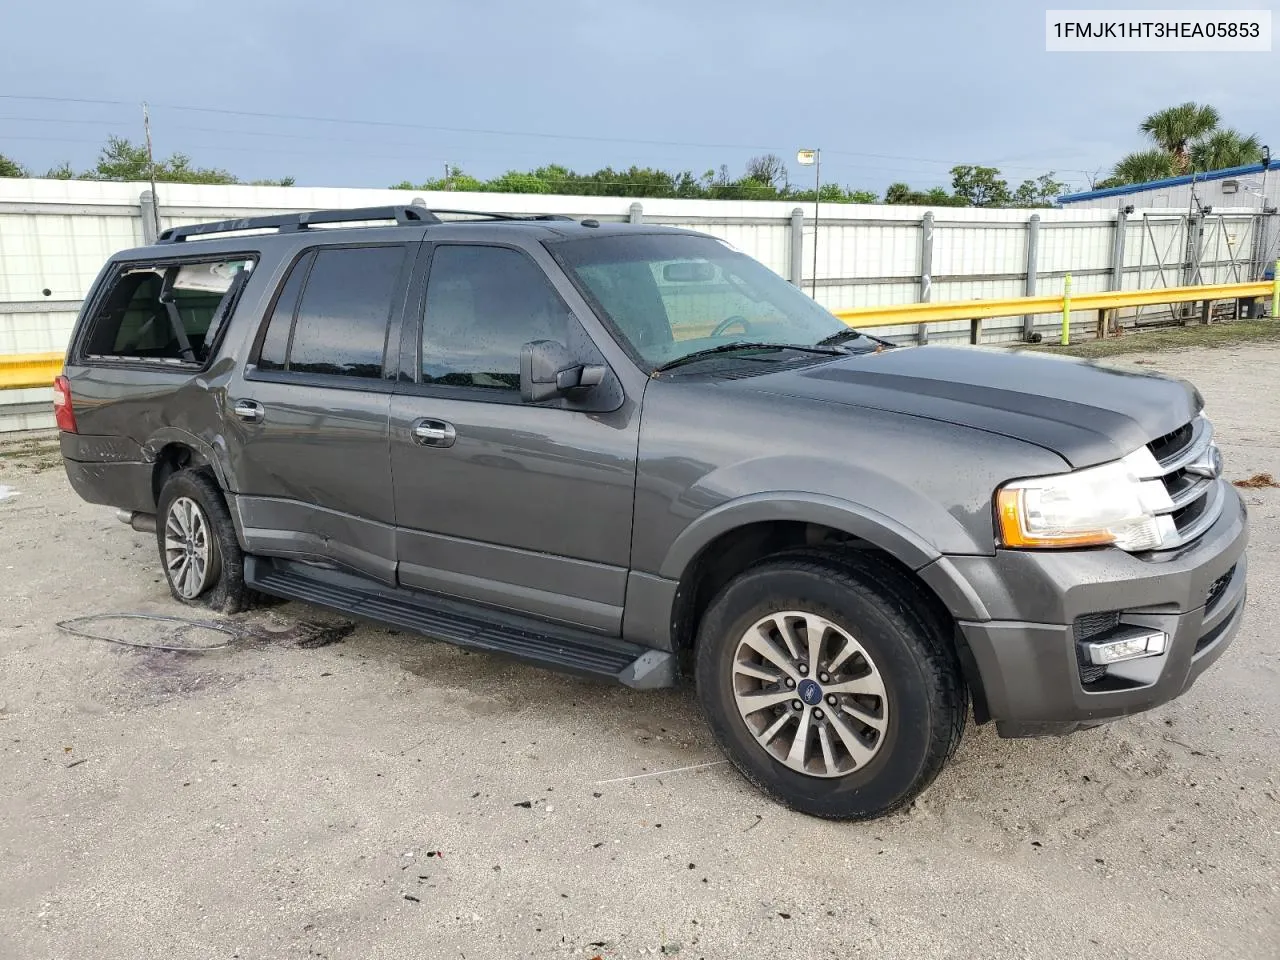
(333, 312)
(167, 312)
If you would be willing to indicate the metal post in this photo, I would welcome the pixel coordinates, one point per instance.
(817, 194)
(1066, 310)
(797, 246)
(147, 209)
(635, 213)
(926, 271)
(151, 171)
(1107, 318)
(1275, 292)
(1033, 254)
(1195, 237)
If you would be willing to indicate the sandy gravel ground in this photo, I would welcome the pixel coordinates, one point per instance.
(296, 793)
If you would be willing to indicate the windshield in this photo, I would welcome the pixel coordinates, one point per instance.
(673, 295)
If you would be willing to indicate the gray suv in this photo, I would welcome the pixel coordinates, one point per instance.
(634, 453)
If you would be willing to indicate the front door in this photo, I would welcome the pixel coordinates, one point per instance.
(521, 506)
(307, 425)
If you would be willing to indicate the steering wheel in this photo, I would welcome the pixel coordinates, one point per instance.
(728, 322)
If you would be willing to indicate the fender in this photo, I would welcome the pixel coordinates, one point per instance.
(213, 453)
(868, 524)
(899, 541)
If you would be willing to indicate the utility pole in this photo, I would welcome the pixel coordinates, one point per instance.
(447, 185)
(151, 168)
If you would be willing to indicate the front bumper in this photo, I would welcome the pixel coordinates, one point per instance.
(1027, 654)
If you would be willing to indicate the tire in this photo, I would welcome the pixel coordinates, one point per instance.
(900, 703)
(190, 501)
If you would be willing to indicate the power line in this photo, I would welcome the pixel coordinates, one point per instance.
(378, 153)
(399, 124)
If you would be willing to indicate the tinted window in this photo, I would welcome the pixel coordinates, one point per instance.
(133, 322)
(341, 323)
(275, 344)
(483, 304)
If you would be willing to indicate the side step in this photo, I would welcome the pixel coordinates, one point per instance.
(547, 645)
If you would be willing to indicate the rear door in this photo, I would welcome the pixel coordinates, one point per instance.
(307, 425)
(522, 506)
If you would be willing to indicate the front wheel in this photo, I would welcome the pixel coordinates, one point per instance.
(830, 684)
(199, 551)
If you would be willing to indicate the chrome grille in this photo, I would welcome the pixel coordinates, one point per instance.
(1196, 499)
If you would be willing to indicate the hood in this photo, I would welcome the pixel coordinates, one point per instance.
(1085, 413)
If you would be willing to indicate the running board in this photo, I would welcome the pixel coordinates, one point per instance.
(546, 645)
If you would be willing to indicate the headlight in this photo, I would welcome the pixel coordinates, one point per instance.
(1116, 503)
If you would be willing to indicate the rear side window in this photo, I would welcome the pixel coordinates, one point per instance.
(333, 312)
(166, 312)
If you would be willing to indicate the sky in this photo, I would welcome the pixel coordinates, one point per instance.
(897, 91)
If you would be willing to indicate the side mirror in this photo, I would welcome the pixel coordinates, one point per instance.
(548, 369)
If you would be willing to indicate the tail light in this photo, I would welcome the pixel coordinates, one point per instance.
(63, 412)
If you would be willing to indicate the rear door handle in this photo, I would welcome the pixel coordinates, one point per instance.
(249, 411)
(433, 433)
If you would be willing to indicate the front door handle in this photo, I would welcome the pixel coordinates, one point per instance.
(434, 433)
(249, 411)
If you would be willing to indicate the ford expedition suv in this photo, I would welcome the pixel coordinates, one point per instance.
(635, 453)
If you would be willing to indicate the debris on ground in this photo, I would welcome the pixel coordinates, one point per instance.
(1256, 481)
(170, 634)
(7, 493)
(177, 635)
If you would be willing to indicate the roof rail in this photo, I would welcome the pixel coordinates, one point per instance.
(489, 215)
(405, 216)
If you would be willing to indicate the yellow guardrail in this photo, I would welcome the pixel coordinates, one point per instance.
(39, 369)
(892, 315)
(29, 370)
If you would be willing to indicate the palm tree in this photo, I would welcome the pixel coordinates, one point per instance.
(1225, 148)
(1145, 165)
(1175, 128)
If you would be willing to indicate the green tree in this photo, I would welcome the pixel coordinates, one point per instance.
(980, 186)
(1225, 148)
(901, 193)
(62, 171)
(768, 170)
(1040, 192)
(277, 182)
(121, 159)
(1146, 165)
(11, 168)
(897, 193)
(513, 181)
(1174, 129)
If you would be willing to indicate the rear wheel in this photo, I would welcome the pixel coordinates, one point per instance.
(199, 552)
(830, 684)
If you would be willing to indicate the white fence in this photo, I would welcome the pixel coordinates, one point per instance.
(56, 234)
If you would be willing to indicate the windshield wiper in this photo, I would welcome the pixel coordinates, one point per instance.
(745, 345)
(844, 336)
(841, 336)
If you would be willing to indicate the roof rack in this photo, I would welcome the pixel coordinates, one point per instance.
(489, 215)
(404, 216)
